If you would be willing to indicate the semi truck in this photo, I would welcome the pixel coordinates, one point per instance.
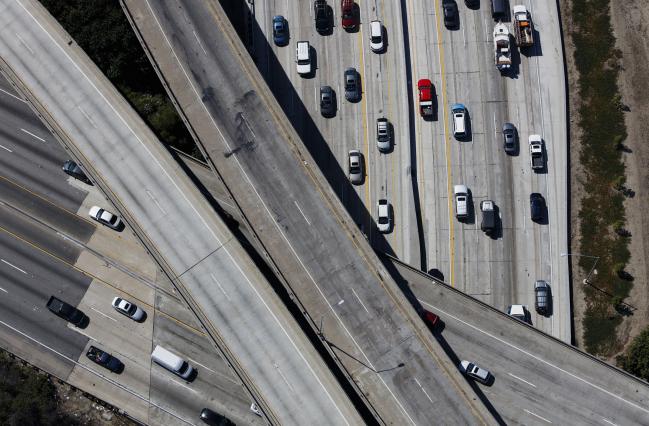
(502, 50)
(523, 27)
(536, 152)
(425, 97)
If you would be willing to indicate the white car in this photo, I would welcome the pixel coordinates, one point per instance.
(384, 220)
(376, 36)
(127, 308)
(461, 193)
(519, 312)
(473, 371)
(105, 217)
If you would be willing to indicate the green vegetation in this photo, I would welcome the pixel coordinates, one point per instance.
(602, 213)
(27, 397)
(636, 358)
(102, 30)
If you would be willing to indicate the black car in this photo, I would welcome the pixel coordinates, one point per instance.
(73, 169)
(214, 419)
(322, 14)
(537, 206)
(105, 359)
(451, 16)
(66, 311)
(327, 101)
(510, 138)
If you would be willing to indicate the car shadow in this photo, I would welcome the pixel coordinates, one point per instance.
(536, 49)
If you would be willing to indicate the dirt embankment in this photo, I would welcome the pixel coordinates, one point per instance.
(630, 22)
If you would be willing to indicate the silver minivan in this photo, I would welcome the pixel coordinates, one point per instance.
(172, 362)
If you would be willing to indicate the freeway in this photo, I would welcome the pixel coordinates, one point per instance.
(538, 379)
(417, 177)
(311, 242)
(236, 306)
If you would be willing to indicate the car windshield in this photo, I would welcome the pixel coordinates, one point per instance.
(376, 39)
(383, 220)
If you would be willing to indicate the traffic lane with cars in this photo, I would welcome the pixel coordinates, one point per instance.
(28, 278)
(353, 126)
(214, 387)
(31, 156)
(532, 371)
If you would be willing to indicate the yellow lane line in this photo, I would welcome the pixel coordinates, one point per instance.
(94, 278)
(451, 222)
(366, 148)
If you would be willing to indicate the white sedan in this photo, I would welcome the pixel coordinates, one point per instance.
(127, 308)
(105, 217)
(473, 371)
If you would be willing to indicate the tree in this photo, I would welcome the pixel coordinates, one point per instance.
(636, 359)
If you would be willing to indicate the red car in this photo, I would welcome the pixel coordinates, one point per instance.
(348, 15)
(425, 88)
(429, 318)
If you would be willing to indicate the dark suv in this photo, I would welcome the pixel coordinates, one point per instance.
(73, 169)
(352, 85)
(537, 206)
(327, 101)
(542, 297)
(67, 312)
(322, 14)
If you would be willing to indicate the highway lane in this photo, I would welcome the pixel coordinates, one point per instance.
(31, 156)
(382, 346)
(288, 378)
(537, 377)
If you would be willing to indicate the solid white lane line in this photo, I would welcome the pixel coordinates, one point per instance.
(199, 42)
(13, 96)
(13, 266)
(574, 376)
(360, 301)
(536, 415)
(609, 422)
(185, 386)
(522, 380)
(424, 391)
(5, 148)
(303, 215)
(2, 289)
(101, 313)
(33, 135)
(70, 326)
(198, 363)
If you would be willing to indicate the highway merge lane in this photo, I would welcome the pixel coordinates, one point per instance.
(287, 378)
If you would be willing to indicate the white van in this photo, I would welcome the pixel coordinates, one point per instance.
(461, 193)
(376, 36)
(303, 58)
(172, 362)
(458, 113)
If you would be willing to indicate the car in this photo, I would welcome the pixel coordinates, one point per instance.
(327, 101)
(127, 308)
(474, 372)
(451, 14)
(519, 312)
(542, 297)
(105, 359)
(322, 14)
(303, 58)
(214, 419)
(461, 195)
(376, 37)
(429, 318)
(348, 17)
(356, 167)
(537, 207)
(73, 169)
(352, 85)
(383, 137)
(105, 217)
(384, 217)
(472, 3)
(426, 94)
(67, 312)
(510, 138)
(459, 117)
(280, 30)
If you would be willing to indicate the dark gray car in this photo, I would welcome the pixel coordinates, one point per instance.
(327, 101)
(542, 297)
(510, 138)
(73, 169)
(352, 85)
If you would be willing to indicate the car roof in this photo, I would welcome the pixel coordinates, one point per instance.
(423, 83)
(517, 310)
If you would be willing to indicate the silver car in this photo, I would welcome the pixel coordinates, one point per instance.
(383, 139)
(509, 138)
(127, 308)
(474, 372)
(356, 167)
